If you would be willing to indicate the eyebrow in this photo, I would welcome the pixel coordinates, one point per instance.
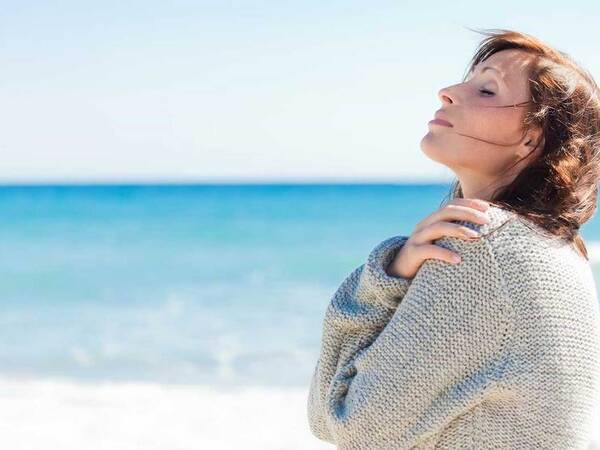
(493, 68)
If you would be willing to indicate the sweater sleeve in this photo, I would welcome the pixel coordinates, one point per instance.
(370, 313)
(400, 359)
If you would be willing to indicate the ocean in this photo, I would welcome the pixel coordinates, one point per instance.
(219, 286)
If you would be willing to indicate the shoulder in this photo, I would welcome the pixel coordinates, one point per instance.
(503, 225)
(475, 283)
(483, 248)
(478, 256)
(499, 218)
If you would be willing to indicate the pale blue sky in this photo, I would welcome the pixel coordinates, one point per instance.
(245, 90)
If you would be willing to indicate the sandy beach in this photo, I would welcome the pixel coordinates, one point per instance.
(53, 414)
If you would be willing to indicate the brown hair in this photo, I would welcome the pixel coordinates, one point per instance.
(557, 191)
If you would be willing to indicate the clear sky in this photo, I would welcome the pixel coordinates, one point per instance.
(245, 90)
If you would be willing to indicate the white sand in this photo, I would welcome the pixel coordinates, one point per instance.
(54, 414)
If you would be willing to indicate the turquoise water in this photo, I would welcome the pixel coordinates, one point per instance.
(219, 284)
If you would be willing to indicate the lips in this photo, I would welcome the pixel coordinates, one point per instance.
(440, 117)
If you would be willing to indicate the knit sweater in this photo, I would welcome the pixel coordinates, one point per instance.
(501, 350)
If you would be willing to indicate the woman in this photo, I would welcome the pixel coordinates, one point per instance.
(500, 348)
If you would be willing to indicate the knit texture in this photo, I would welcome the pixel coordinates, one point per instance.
(501, 350)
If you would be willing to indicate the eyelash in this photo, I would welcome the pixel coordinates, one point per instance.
(485, 90)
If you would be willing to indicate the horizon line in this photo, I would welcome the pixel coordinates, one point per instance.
(217, 181)
(212, 183)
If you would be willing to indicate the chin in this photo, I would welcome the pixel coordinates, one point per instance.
(431, 148)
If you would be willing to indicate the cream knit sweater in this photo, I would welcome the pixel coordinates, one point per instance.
(499, 351)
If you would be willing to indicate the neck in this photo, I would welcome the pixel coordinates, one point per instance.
(477, 186)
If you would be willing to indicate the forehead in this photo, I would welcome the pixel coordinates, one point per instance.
(512, 63)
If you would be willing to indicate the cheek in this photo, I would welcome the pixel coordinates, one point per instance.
(497, 125)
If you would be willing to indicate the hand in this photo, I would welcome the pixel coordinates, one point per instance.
(418, 247)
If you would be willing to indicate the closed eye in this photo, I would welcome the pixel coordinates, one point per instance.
(486, 91)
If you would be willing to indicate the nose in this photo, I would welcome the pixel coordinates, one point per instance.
(445, 95)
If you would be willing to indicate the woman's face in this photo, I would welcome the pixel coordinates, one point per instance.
(467, 107)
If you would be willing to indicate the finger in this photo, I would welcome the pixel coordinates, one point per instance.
(452, 212)
(441, 229)
(476, 203)
(432, 251)
(461, 212)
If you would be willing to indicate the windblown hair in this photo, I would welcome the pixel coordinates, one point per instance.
(558, 190)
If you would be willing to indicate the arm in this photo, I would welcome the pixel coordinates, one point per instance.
(393, 373)
(372, 307)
